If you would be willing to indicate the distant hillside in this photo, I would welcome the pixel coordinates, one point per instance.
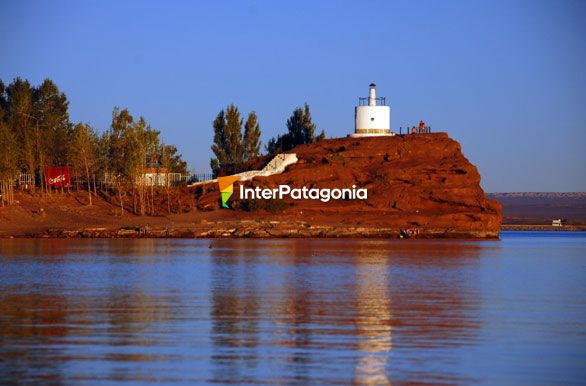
(572, 195)
(542, 207)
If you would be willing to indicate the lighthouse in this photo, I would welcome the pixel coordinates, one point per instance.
(372, 116)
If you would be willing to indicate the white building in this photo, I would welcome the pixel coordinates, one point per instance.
(372, 116)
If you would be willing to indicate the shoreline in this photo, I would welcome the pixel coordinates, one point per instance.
(205, 229)
(280, 233)
(274, 230)
(251, 229)
(543, 228)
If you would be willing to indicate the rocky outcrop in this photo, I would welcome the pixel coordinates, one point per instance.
(418, 182)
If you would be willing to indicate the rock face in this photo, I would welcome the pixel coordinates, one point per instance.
(420, 182)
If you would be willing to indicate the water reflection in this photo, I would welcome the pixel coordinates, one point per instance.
(348, 296)
(235, 307)
(31, 320)
(373, 321)
(237, 311)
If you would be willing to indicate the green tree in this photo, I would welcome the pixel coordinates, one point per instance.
(8, 163)
(233, 135)
(22, 123)
(300, 130)
(50, 109)
(103, 154)
(119, 143)
(152, 145)
(231, 148)
(227, 147)
(166, 161)
(251, 139)
(83, 153)
(3, 101)
(219, 144)
(172, 161)
(135, 162)
(175, 162)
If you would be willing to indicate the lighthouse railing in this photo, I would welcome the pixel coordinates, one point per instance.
(380, 101)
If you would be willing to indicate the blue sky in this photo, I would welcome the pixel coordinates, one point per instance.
(506, 79)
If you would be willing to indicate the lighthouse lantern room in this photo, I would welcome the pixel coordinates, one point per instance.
(372, 116)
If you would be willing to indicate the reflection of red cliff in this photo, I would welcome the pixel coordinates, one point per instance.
(413, 181)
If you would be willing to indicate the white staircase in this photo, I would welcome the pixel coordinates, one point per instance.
(276, 166)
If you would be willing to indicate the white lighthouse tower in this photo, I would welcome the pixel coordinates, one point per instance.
(372, 116)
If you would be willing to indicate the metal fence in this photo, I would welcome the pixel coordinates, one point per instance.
(25, 180)
(414, 130)
(364, 101)
(151, 179)
(199, 177)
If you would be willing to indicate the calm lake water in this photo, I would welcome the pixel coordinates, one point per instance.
(509, 312)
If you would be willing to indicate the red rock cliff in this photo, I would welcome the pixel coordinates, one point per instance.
(418, 181)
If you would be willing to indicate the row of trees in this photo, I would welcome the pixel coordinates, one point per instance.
(33, 122)
(232, 148)
(124, 153)
(35, 132)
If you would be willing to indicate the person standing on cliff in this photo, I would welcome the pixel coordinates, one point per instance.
(421, 127)
(413, 130)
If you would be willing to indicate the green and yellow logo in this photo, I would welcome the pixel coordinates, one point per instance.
(227, 188)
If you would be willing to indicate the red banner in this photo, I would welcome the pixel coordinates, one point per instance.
(57, 176)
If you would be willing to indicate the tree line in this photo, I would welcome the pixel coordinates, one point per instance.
(36, 132)
(233, 148)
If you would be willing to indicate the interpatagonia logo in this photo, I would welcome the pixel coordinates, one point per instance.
(304, 193)
(227, 188)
